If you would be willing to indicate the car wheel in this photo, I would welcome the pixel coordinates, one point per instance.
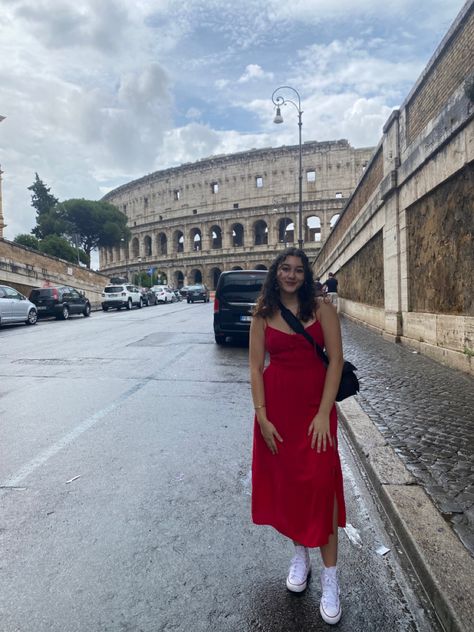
(105, 309)
(32, 317)
(166, 299)
(87, 310)
(220, 339)
(129, 303)
(65, 312)
(140, 304)
(188, 301)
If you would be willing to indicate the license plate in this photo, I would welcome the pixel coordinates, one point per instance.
(41, 307)
(245, 319)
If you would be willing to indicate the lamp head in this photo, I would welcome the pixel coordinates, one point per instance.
(278, 117)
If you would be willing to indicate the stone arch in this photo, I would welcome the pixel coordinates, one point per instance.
(178, 277)
(216, 236)
(147, 246)
(178, 241)
(236, 268)
(215, 273)
(195, 276)
(333, 221)
(261, 266)
(195, 239)
(162, 244)
(260, 231)
(135, 248)
(237, 235)
(312, 229)
(286, 230)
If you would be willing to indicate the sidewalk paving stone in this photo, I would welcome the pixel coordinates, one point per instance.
(425, 411)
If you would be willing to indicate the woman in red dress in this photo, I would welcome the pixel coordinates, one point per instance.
(296, 473)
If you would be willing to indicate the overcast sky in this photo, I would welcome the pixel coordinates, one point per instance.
(99, 92)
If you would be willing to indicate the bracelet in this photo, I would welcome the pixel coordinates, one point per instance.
(261, 406)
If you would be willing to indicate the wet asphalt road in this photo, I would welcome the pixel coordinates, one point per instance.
(125, 490)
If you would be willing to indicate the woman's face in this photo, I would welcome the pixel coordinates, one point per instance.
(290, 274)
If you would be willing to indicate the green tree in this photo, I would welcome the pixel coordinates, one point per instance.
(58, 246)
(27, 240)
(96, 224)
(43, 201)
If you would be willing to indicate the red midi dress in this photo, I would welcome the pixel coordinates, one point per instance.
(294, 491)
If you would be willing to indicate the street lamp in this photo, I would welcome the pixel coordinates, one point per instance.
(138, 278)
(278, 101)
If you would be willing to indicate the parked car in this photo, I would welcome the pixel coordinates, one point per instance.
(177, 294)
(16, 308)
(149, 297)
(183, 290)
(236, 295)
(163, 293)
(124, 295)
(60, 301)
(198, 292)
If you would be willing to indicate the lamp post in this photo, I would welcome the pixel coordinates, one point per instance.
(139, 259)
(278, 101)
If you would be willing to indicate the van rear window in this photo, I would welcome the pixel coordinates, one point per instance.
(241, 288)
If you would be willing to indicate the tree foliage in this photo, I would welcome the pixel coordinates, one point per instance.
(30, 241)
(43, 201)
(58, 246)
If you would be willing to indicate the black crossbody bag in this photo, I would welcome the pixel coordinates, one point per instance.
(349, 383)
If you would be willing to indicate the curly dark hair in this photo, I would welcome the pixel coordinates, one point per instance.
(267, 302)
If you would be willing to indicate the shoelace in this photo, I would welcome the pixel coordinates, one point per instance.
(330, 591)
(298, 567)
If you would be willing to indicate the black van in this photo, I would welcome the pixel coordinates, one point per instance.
(236, 295)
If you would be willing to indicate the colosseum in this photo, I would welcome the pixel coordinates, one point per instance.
(189, 223)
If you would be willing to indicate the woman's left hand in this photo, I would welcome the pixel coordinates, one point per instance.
(321, 434)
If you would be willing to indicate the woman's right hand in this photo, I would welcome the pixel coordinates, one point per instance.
(270, 435)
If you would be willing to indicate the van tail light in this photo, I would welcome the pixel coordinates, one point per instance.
(216, 304)
(55, 294)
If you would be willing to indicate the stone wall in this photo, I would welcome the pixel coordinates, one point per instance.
(440, 233)
(25, 269)
(361, 278)
(422, 206)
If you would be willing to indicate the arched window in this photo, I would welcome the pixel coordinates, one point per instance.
(147, 244)
(334, 220)
(196, 239)
(216, 237)
(135, 248)
(260, 232)
(312, 229)
(178, 241)
(215, 274)
(286, 231)
(237, 235)
(195, 276)
(162, 244)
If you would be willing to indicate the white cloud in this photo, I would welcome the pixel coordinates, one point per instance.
(254, 71)
(98, 93)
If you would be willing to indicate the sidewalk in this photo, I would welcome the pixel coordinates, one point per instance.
(413, 427)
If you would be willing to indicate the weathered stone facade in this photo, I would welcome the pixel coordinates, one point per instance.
(418, 193)
(234, 211)
(440, 236)
(361, 278)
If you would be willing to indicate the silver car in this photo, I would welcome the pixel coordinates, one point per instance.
(16, 308)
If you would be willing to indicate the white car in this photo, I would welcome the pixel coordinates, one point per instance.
(16, 308)
(123, 295)
(163, 294)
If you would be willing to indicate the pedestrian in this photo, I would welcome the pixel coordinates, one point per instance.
(297, 485)
(330, 287)
(318, 286)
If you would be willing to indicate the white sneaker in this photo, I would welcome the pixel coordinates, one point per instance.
(300, 568)
(330, 607)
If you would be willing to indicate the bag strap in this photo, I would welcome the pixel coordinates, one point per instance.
(299, 328)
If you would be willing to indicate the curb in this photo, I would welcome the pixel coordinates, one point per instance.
(444, 567)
